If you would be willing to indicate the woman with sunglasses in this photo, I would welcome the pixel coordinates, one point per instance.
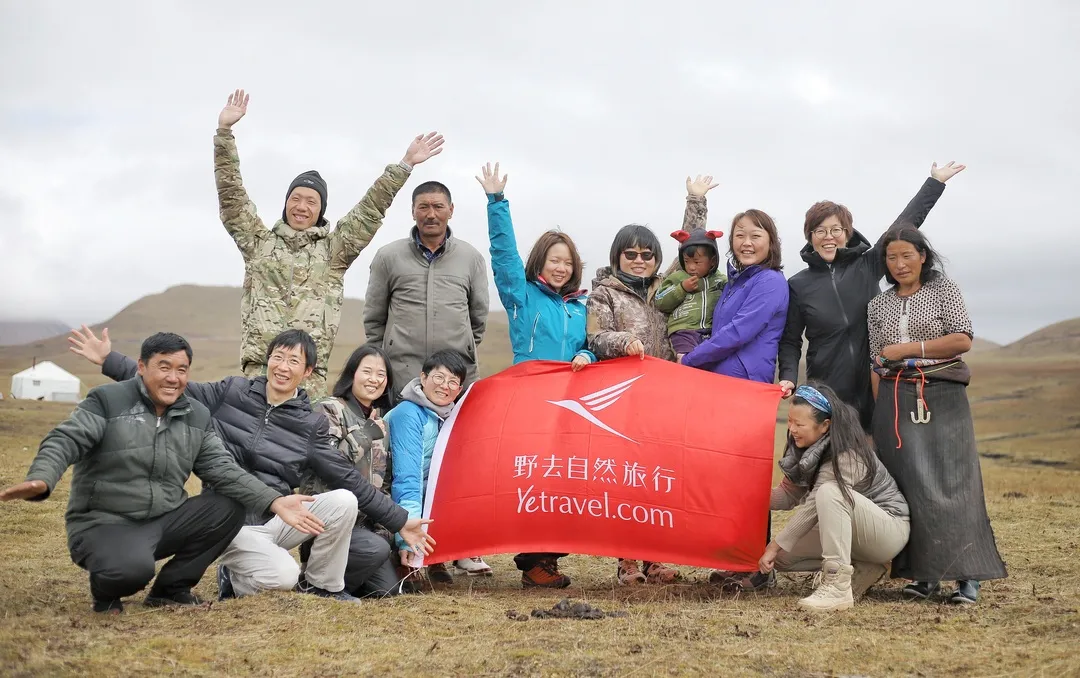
(623, 321)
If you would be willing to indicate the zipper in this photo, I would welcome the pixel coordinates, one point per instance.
(532, 337)
(258, 435)
(565, 328)
(704, 301)
(843, 313)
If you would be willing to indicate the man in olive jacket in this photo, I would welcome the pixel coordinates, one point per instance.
(134, 444)
(427, 292)
(294, 273)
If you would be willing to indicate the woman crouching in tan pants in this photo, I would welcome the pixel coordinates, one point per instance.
(850, 519)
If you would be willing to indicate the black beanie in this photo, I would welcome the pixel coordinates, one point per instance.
(694, 238)
(308, 179)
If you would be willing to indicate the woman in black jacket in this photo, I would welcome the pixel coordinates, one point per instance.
(828, 300)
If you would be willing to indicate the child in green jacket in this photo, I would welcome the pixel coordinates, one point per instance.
(690, 293)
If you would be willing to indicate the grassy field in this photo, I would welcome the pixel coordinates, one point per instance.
(1026, 625)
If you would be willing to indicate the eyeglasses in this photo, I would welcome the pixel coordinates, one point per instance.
(835, 231)
(452, 383)
(632, 255)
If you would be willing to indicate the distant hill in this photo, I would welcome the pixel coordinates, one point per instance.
(1058, 340)
(15, 332)
(980, 345)
(209, 317)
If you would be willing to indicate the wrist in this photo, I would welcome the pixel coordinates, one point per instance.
(406, 165)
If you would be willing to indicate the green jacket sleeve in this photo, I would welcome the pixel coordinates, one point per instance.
(671, 292)
(356, 229)
(70, 442)
(216, 467)
(236, 209)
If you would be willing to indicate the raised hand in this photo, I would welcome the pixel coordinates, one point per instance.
(947, 172)
(235, 109)
(85, 343)
(291, 509)
(700, 185)
(27, 490)
(491, 182)
(414, 535)
(424, 146)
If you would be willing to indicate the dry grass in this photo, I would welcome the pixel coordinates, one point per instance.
(1026, 625)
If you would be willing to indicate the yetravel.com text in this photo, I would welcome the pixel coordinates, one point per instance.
(528, 502)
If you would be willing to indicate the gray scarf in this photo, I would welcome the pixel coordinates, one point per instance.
(414, 393)
(800, 466)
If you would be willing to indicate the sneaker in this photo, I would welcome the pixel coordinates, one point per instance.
(108, 606)
(920, 590)
(743, 581)
(834, 594)
(439, 574)
(545, 575)
(628, 573)
(658, 573)
(224, 583)
(865, 576)
(182, 598)
(474, 567)
(966, 593)
(342, 596)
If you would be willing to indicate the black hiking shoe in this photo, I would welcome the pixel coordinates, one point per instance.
(921, 590)
(108, 606)
(342, 596)
(966, 593)
(181, 598)
(224, 583)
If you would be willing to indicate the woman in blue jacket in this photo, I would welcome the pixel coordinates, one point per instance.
(546, 311)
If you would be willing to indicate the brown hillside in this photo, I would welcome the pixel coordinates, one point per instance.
(980, 345)
(16, 332)
(1058, 340)
(209, 317)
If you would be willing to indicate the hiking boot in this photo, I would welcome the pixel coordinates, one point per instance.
(743, 581)
(629, 573)
(224, 583)
(834, 594)
(108, 606)
(438, 574)
(473, 567)
(181, 598)
(659, 573)
(545, 574)
(920, 590)
(865, 576)
(966, 593)
(343, 596)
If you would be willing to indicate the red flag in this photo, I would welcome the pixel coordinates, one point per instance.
(628, 458)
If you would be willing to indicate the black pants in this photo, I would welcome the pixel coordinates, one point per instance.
(371, 570)
(120, 558)
(527, 561)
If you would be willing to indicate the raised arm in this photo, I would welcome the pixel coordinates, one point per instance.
(696, 212)
(236, 209)
(506, 263)
(377, 300)
(356, 229)
(769, 296)
(70, 442)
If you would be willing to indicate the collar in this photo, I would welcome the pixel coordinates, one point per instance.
(800, 466)
(181, 405)
(428, 254)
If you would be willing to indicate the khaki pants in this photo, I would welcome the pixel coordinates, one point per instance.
(857, 532)
(259, 560)
(315, 385)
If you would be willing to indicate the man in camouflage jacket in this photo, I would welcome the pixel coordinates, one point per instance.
(294, 273)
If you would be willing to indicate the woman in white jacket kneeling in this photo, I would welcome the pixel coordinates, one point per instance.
(851, 519)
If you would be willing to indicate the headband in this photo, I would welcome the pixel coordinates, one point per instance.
(814, 397)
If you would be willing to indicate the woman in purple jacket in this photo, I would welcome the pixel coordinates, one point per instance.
(747, 323)
(749, 316)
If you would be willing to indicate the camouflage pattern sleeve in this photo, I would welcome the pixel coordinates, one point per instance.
(696, 214)
(603, 340)
(236, 209)
(356, 229)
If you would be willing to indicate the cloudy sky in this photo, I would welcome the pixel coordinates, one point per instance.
(598, 110)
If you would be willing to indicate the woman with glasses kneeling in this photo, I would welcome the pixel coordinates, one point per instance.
(851, 518)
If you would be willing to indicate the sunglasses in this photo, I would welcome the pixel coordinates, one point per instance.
(631, 255)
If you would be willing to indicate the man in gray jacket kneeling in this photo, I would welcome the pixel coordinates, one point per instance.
(134, 444)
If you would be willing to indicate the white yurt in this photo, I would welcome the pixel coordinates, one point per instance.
(46, 381)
